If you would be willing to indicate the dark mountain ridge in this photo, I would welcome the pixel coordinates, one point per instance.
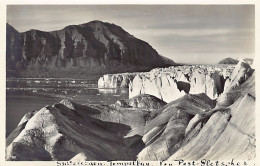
(92, 48)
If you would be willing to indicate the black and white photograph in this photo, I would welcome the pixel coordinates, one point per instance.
(130, 82)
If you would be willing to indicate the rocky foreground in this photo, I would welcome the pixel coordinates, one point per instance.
(199, 124)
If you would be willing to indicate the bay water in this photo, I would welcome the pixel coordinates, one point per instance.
(24, 95)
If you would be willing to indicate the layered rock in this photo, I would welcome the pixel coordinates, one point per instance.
(92, 48)
(225, 131)
(166, 130)
(228, 133)
(69, 130)
(142, 101)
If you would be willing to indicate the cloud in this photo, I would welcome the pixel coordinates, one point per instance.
(191, 32)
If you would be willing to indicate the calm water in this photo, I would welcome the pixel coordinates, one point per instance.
(26, 95)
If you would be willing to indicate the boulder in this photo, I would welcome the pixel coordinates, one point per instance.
(166, 129)
(142, 101)
(59, 133)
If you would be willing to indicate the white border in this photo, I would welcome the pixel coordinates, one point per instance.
(3, 4)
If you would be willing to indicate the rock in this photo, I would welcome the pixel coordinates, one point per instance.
(228, 134)
(239, 75)
(26, 117)
(122, 103)
(142, 101)
(78, 51)
(193, 123)
(81, 157)
(228, 98)
(249, 61)
(148, 137)
(240, 132)
(68, 103)
(60, 133)
(166, 129)
(198, 146)
(165, 141)
(253, 64)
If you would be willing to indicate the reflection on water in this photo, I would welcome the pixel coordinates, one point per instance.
(18, 105)
(112, 90)
(49, 82)
(25, 95)
(107, 91)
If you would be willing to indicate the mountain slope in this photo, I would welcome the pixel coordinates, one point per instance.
(13, 50)
(168, 61)
(228, 61)
(77, 50)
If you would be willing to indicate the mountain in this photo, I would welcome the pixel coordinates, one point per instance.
(228, 61)
(77, 51)
(168, 61)
(13, 50)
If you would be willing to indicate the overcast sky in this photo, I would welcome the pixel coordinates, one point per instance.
(184, 33)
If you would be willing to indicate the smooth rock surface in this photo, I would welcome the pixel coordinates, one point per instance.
(166, 130)
(142, 101)
(59, 133)
(229, 133)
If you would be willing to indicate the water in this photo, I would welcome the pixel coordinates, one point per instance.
(28, 94)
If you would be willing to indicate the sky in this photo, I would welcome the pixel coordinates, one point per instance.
(193, 34)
